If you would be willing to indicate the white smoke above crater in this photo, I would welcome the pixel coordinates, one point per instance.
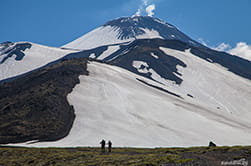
(150, 9)
(145, 8)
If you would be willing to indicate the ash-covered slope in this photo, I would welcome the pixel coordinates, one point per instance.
(21, 57)
(128, 29)
(34, 107)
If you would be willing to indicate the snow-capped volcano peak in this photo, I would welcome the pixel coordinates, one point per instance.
(127, 29)
(140, 27)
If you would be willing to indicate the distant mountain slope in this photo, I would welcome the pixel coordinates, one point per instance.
(21, 57)
(165, 65)
(128, 29)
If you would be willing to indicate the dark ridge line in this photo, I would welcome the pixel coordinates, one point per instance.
(161, 89)
(48, 65)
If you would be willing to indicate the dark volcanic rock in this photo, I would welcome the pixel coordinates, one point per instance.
(211, 144)
(132, 27)
(140, 50)
(161, 89)
(17, 50)
(35, 107)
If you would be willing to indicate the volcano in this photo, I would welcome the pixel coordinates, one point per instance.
(137, 81)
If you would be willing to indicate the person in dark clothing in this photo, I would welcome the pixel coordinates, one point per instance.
(109, 146)
(102, 143)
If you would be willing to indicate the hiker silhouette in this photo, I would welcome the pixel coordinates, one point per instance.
(109, 146)
(102, 143)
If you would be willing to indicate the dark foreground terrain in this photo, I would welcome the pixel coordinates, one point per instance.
(197, 156)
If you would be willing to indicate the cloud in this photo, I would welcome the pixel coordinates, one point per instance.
(202, 42)
(150, 9)
(222, 47)
(145, 2)
(144, 8)
(242, 50)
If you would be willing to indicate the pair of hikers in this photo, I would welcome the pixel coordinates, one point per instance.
(102, 143)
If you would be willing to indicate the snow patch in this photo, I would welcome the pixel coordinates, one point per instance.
(93, 55)
(135, 19)
(163, 22)
(110, 50)
(154, 55)
(140, 66)
(149, 34)
(210, 60)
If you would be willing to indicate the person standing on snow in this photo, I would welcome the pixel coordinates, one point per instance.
(102, 143)
(109, 146)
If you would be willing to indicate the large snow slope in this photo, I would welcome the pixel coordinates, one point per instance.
(106, 35)
(34, 57)
(112, 104)
(212, 84)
